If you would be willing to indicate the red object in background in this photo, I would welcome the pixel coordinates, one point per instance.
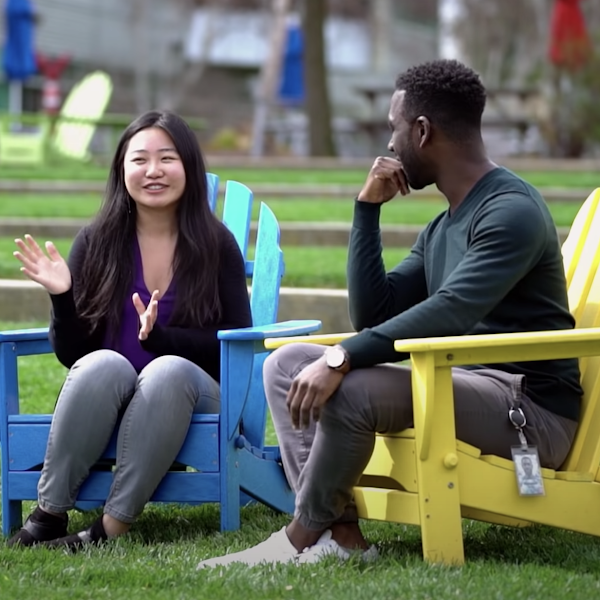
(52, 69)
(570, 44)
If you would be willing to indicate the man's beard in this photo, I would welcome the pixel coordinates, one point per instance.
(413, 168)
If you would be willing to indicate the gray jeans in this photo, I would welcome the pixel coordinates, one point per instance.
(324, 462)
(155, 407)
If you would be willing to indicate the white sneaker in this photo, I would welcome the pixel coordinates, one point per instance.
(277, 549)
(326, 546)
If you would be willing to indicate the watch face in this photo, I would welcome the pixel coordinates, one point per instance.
(335, 358)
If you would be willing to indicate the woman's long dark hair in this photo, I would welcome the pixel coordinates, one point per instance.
(107, 272)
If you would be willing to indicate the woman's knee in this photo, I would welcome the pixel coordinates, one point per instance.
(105, 361)
(103, 377)
(178, 379)
(103, 369)
(168, 370)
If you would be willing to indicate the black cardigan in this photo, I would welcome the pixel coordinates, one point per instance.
(71, 339)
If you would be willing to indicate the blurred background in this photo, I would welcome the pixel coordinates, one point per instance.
(294, 77)
(289, 97)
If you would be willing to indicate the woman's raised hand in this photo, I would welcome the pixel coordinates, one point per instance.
(49, 270)
(148, 314)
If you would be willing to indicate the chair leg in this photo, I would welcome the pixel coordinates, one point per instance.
(230, 488)
(441, 521)
(230, 508)
(436, 461)
(12, 516)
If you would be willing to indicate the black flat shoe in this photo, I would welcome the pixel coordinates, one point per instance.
(94, 535)
(40, 527)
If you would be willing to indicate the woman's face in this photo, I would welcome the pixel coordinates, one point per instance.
(154, 173)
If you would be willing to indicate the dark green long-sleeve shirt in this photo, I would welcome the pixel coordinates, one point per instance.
(492, 266)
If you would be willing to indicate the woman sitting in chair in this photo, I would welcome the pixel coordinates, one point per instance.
(135, 315)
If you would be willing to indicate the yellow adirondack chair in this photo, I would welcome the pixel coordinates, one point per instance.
(76, 125)
(425, 476)
(73, 130)
(22, 147)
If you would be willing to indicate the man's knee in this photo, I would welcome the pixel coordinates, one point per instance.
(347, 406)
(289, 360)
(281, 359)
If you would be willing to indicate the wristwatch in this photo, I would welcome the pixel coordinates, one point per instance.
(337, 359)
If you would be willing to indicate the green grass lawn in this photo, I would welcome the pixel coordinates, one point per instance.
(408, 211)
(74, 206)
(355, 176)
(157, 560)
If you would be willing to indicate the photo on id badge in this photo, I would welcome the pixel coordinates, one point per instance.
(528, 472)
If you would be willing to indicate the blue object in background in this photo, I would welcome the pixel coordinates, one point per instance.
(19, 55)
(291, 86)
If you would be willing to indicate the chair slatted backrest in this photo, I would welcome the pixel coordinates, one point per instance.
(581, 255)
(237, 213)
(265, 273)
(268, 271)
(212, 182)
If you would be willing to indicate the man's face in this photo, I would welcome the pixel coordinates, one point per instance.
(527, 466)
(402, 144)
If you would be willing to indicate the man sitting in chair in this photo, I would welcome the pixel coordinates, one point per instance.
(491, 263)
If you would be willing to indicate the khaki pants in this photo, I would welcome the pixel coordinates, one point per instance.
(324, 462)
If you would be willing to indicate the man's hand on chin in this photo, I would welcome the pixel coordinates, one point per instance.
(385, 179)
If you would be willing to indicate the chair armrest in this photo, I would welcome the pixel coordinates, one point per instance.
(329, 339)
(24, 335)
(505, 347)
(273, 330)
(485, 349)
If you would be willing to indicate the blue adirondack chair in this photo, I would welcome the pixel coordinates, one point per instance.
(226, 452)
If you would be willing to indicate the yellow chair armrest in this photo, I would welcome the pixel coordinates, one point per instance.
(489, 349)
(506, 347)
(329, 339)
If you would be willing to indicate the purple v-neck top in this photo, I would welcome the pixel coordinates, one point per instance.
(127, 342)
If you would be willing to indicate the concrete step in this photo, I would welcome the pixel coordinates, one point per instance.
(292, 234)
(24, 300)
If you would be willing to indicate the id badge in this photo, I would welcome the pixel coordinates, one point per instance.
(528, 471)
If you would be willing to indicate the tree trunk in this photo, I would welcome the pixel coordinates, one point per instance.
(269, 76)
(318, 108)
(381, 15)
(139, 14)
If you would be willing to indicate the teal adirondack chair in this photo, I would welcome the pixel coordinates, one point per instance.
(226, 451)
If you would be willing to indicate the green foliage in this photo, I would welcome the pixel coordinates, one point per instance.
(573, 124)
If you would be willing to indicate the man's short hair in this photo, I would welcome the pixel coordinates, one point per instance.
(448, 93)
